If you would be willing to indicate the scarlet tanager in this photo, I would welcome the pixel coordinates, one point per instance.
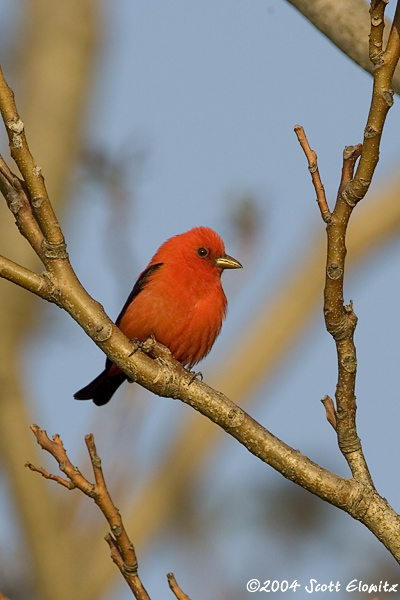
(179, 299)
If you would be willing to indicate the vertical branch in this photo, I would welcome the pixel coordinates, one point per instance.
(382, 99)
(341, 322)
(377, 12)
(340, 319)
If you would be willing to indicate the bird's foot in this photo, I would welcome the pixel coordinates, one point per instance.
(157, 350)
(136, 346)
(197, 375)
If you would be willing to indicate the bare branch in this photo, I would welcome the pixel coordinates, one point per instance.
(350, 156)
(37, 284)
(31, 173)
(313, 168)
(68, 484)
(382, 100)
(340, 319)
(377, 12)
(175, 588)
(347, 24)
(122, 550)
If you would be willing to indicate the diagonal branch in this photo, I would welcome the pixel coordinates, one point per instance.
(31, 173)
(14, 192)
(37, 284)
(180, 595)
(341, 323)
(346, 24)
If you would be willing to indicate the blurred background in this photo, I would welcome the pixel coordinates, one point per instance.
(149, 118)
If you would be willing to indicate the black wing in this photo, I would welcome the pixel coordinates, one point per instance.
(137, 288)
(104, 385)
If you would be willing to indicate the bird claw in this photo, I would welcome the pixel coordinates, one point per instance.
(197, 375)
(157, 350)
(137, 346)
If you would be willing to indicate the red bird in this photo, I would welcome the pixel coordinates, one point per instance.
(179, 299)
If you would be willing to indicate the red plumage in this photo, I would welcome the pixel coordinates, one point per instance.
(179, 299)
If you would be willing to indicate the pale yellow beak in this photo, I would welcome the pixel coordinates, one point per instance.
(227, 262)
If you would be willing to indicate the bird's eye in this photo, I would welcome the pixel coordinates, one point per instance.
(202, 252)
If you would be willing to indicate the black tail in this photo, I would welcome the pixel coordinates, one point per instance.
(101, 389)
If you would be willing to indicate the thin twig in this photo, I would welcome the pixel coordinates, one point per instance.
(350, 156)
(175, 588)
(313, 168)
(101, 496)
(330, 410)
(68, 484)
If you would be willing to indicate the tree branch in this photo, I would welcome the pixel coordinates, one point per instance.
(53, 103)
(315, 176)
(346, 24)
(340, 319)
(30, 171)
(175, 587)
(37, 284)
(121, 548)
(382, 101)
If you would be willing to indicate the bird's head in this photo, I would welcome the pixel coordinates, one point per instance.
(200, 248)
